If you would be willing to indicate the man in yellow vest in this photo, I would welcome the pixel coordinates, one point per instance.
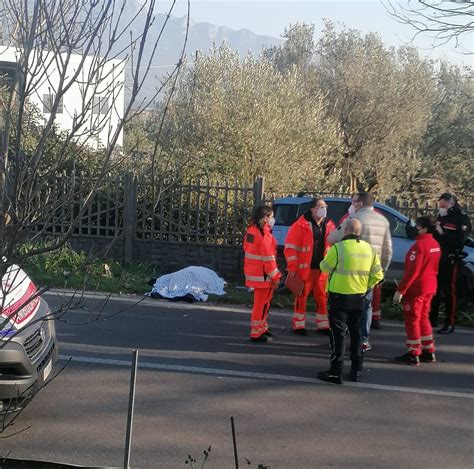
(353, 267)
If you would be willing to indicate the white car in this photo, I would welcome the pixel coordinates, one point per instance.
(28, 346)
(288, 209)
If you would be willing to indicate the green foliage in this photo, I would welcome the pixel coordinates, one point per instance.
(447, 147)
(347, 112)
(297, 51)
(381, 98)
(242, 117)
(67, 268)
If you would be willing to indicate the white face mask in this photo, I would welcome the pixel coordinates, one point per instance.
(351, 210)
(271, 222)
(442, 211)
(322, 212)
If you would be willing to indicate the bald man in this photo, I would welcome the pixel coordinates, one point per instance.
(354, 268)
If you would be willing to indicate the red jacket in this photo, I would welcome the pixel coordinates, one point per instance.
(299, 244)
(260, 266)
(421, 267)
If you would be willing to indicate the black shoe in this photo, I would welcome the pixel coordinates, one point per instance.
(329, 377)
(376, 324)
(408, 359)
(355, 376)
(446, 329)
(268, 333)
(300, 331)
(427, 357)
(261, 339)
(323, 331)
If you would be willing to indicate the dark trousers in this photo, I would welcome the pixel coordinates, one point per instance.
(345, 313)
(447, 292)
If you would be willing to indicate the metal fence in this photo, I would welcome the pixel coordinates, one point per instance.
(198, 211)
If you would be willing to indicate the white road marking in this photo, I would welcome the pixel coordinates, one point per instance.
(251, 375)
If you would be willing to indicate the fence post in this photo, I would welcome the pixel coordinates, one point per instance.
(258, 191)
(129, 207)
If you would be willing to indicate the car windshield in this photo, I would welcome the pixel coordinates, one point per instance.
(286, 214)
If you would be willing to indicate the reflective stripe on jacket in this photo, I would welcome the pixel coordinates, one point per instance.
(299, 245)
(421, 267)
(353, 267)
(260, 267)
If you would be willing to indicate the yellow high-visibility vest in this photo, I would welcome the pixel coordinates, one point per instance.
(353, 267)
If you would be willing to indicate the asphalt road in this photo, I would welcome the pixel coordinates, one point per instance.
(197, 368)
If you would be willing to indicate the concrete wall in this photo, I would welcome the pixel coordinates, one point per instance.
(227, 261)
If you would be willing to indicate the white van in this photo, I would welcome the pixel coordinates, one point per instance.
(28, 346)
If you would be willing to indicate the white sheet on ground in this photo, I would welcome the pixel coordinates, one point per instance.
(193, 280)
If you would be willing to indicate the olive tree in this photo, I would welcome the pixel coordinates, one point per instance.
(381, 99)
(447, 145)
(241, 117)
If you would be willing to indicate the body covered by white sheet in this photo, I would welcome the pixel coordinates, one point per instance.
(193, 280)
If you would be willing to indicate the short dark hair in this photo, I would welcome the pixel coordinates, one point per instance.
(448, 197)
(366, 198)
(425, 222)
(260, 213)
(315, 200)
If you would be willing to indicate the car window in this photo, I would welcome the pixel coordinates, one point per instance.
(336, 210)
(397, 225)
(303, 208)
(285, 215)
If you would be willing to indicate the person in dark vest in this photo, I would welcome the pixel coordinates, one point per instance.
(451, 231)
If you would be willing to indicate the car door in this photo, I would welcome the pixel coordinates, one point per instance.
(400, 242)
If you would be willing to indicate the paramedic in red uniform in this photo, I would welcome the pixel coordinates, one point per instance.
(416, 291)
(305, 247)
(261, 271)
(452, 229)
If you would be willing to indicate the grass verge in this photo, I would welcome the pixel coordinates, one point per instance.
(66, 268)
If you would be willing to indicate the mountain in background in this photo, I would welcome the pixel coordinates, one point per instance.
(201, 37)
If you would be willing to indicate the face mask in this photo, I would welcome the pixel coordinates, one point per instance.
(322, 212)
(271, 222)
(351, 210)
(442, 211)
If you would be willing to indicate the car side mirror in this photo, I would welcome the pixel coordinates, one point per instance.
(410, 229)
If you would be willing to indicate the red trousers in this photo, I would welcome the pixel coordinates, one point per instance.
(376, 300)
(316, 284)
(262, 297)
(416, 312)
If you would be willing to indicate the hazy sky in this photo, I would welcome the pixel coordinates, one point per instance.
(270, 17)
